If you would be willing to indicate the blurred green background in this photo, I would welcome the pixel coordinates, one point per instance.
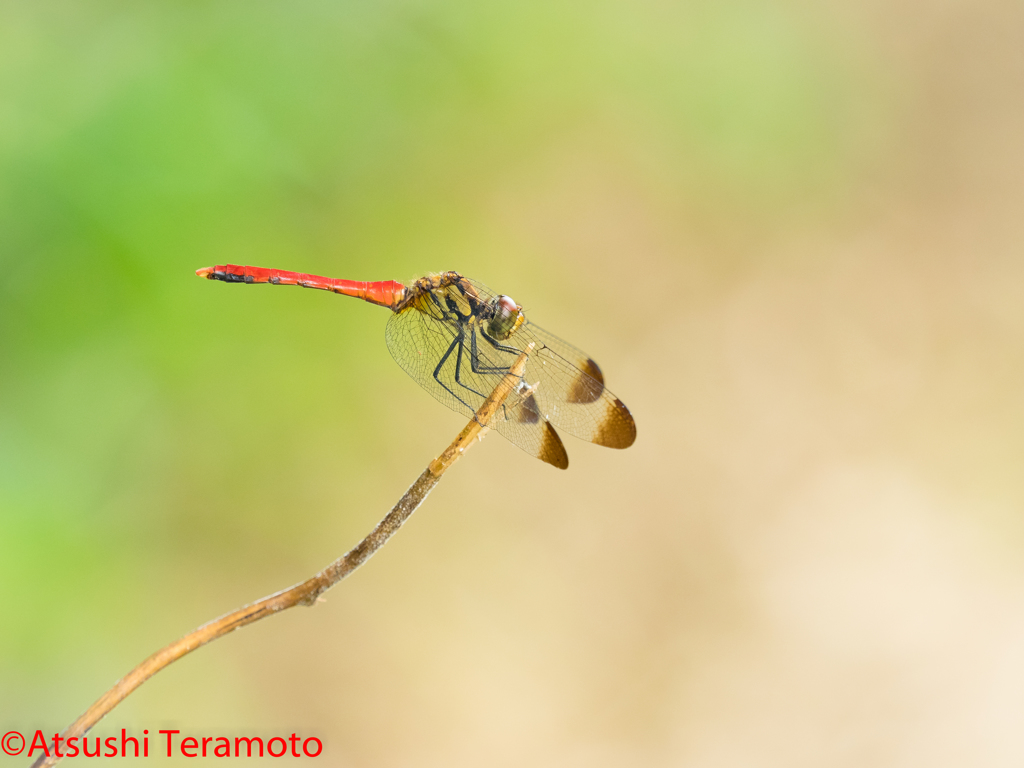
(790, 233)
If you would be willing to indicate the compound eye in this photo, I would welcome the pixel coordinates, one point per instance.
(508, 316)
(506, 306)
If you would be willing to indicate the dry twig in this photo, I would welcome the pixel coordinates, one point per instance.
(308, 591)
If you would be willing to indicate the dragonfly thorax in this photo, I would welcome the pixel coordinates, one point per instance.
(506, 318)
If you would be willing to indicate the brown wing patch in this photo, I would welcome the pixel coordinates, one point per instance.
(529, 412)
(588, 385)
(551, 450)
(617, 429)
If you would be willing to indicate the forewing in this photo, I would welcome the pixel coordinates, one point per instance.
(570, 391)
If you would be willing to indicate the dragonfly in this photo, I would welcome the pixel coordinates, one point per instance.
(457, 338)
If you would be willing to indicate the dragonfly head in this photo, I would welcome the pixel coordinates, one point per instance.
(506, 318)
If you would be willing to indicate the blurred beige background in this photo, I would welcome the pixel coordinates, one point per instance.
(790, 233)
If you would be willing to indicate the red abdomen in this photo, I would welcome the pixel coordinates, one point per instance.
(385, 293)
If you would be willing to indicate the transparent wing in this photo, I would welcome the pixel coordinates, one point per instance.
(570, 389)
(437, 353)
(449, 354)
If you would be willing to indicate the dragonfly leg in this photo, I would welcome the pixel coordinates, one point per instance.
(458, 367)
(451, 348)
(500, 347)
(474, 363)
(475, 355)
